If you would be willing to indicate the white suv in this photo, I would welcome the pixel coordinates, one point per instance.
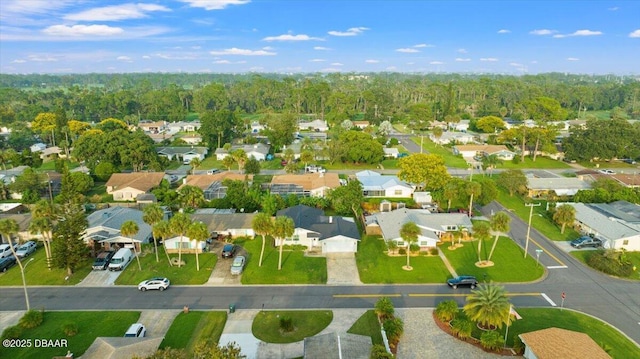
(136, 330)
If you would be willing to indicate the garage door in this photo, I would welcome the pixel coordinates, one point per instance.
(339, 246)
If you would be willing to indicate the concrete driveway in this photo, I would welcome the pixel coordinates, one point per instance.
(221, 273)
(342, 269)
(99, 278)
(157, 322)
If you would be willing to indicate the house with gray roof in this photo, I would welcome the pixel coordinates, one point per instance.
(259, 151)
(104, 227)
(337, 345)
(375, 184)
(184, 154)
(562, 186)
(226, 222)
(314, 230)
(432, 225)
(616, 229)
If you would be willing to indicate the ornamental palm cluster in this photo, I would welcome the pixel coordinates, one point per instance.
(488, 305)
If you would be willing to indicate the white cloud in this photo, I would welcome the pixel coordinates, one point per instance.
(462, 51)
(290, 37)
(391, 68)
(317, 60)
(146, 57)
(411, 63)
(460, 59)
(615, 8)
(337, 64)
(635, 34)
(321, 48)
(573, 59)
(222, 62)
(580, 33)
(242, 52)
(489, 59)
(256, 68)
(436, 63)
(241, 62)
(117, 12)
(18, 61)
(354, 31)
(423, 45)
(196, 47)
(124, 58)
(371, 61)
(214, 4)
(180, 56)
(503, 31)
(23, 12)
(407, 50)
(330, 69)
(268, 48)
(42, 58)
(543, 32)
(515, 64)
(82, 30)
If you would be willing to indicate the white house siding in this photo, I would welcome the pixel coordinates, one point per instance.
(126, 194)
(629, 243)
(398, 192)
(339, 244)
(172, 245)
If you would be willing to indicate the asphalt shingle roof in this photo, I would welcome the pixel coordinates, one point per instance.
(313, 219)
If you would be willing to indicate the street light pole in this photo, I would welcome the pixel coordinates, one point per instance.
(526, 245)
(24, 282)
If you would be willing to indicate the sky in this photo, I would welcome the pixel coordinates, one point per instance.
(302, 36)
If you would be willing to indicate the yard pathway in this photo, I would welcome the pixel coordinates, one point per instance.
(446, 263)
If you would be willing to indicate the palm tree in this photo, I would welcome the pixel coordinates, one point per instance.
(481, 230)
(565, 214)
(43, 226)
(194, 163)
(451, 191)
(283, 227)
(488, 305)
(409, 233)
(240, 157)
(49, 212)
(151, 215)
(130, 229)
(228, 162)
(162, 230)
(490, 162)
(499, 223)
(179, 225)
(262, 225)
(9, 227)
(198, 232)
(472, 189)
(191, 196)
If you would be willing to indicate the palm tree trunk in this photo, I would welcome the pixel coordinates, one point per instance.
(168, 258)
(493, 247)
(155, 246)
(562, 228)
(261, 252)
(471, 205)
(136, 253)
(180, 253)
(408, 253)
(197, 258)
(280, 256)
(479, 248)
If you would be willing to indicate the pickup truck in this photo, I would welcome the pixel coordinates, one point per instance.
(586, 241)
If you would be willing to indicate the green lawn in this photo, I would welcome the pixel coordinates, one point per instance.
(368, 325)
(540, 163)
(186, 274)
(190, 328)
(508, 258)
(296, 268)
(375, 266)
(91, 325)
(37, 273)
(51, 165)
(634, 257)
(450, 159)
(306, 323)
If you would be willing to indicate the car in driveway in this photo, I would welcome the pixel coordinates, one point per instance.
(26, 249)
(607, 172)
(6, 263)
(229, 250)
(462, 281)
(157, 283)
(586, 241)
(238, 265)
(102, 260)
(136, 330)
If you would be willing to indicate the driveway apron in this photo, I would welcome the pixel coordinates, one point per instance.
(342, 269)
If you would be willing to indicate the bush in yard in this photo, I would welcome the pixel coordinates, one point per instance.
(414, 248)
(433, 251)
(610, 262)
(70, 329)
(286, 324)
(446, 310)
(12, 332)
(378, 351)
(518, 345)
(384, 309)
(402, 251)
(492, 340)
(31, 319)
(394, 328)
(462, 328)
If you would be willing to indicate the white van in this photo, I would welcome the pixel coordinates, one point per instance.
(136, 330)
(120, 259)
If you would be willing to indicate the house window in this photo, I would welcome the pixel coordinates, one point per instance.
(398, 192)
(625, 242)
(295, 237)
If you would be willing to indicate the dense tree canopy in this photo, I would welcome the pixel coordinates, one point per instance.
(424, 170)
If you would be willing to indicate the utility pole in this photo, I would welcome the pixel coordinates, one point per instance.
(526, 245)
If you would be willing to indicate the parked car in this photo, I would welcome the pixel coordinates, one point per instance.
(136, 330)
(229, 250)
(314, 169)
(158, 283)
(5, 250)
(586, 241)
(6, 263)
(607, 172)
(463, 280)
(629, 161)
(26, 249)
(238, 265)
(121, 259)
(102, 260)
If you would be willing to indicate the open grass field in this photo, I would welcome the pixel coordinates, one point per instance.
(375, 266)
(296, 268)
(539, 163)
(368, 325)
(450, 159)
(306, 323)
(634, 257)
(508, 258)
(190, 328)
(186, 274)
(37, 273)
(90, 325)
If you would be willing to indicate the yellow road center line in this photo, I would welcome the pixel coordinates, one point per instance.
(549, 254)
(425, 295)
(365, 295)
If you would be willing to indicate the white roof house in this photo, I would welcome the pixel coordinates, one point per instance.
(391, 152)
(615, 231)
(376, 185)
(319, 125)
(562, 186)
(37, 147)
(453, 137)
(258, 151)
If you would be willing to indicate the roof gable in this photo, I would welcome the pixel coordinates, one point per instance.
(552, 343)
(313, 219)
(142, 181)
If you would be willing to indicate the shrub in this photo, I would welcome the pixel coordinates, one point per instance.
(446, 310)
(394, 328)
(70, 329)
(378, 351)
(384, 309)
(516, 160)
(31, 319)
(492, 340)
(286, 324)
(433, 251)
(414, 248)
(12, 332)
(402, 251)
(462, 328)
(610, 262)
(518, 345)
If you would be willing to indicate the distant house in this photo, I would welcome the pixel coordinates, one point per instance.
(192, 139)
(104, 228)
(471, 151)
(153, 127)
(334, 345)
(184, 126)
(38, 147)
(552, 343)
(453, 137)
(561, 186)
(127, 186)
(433, 226)
(50, 152)
(184, 154)
(361, 124)
(257, 127)
(376, 185)
(391, 152)
(259, 151)
(174, 244)
(462, 126)
(308, 184)
(23, 220)
(160, 137)
(226, 223)
(315, 125)
(332, 234)
(211, 184)
(119, 347)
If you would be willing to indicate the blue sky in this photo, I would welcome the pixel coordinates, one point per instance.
(289, 36)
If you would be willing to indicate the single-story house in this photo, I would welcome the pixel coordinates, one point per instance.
(38, 147)
(470, 151)
(375, 184)
(192, 139)
(296, 147)
(259, 151)
(432, 225)
(391, 152)
(188, 245)
(120, 347)
(184, 154)
(153, 127)
(314, 125)
(314, 230)
(127, 186)
(184, 126)
(335, 346)
(616, 229)
(552, 343)
(23, 234)
(462, 125)
(453, 137)
(562, 186)
(226, 223)
(308, 184)
(160, 137)
(361, 124)
(51, 151)
(104, 227)
(211, 184)
(257, 127)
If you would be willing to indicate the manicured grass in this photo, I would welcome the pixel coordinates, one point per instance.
(375, 266)
(296, 268)
(306, 323)
(186, 274)
(538, 318)
(389, 164)
(37, 273)
(90, 326)
(634, 257)
(190, 328)
(348, 166)
(450, 159)
(540, 163)
(51, 165)
(368, 325)
(508, 258)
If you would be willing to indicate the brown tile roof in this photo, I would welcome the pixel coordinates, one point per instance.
(205, 180)
(553, 343)
(309, 181)
(628, 179)
(142, 181)
(483, 148)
